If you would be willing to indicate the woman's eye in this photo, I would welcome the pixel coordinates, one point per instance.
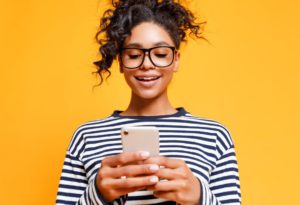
(160, 55)
(134, 56)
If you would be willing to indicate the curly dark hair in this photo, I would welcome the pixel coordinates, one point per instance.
(116, 24)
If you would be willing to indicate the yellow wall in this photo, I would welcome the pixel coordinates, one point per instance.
(248, 79)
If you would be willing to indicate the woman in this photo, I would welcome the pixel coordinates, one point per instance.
(197, 158)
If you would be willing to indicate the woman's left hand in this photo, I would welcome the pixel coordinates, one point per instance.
(178, 184)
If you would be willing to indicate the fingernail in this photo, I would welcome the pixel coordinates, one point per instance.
(144, 154)
(154, 167)
(154, 179)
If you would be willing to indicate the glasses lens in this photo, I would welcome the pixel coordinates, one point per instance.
(132, 58)
(162, 56)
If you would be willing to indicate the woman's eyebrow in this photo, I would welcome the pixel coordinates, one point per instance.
(138, 45)
(133, 45)
(161, 43)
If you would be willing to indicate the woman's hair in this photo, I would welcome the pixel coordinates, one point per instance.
(116, 24)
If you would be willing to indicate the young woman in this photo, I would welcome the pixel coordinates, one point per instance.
(197, 157)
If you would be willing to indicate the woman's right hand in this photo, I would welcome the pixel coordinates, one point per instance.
(124, 173)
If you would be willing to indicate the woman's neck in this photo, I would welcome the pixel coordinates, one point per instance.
(149, 107)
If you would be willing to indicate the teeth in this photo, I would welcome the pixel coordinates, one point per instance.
(147, 78)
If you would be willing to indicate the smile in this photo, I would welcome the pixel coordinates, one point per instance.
(147, 78)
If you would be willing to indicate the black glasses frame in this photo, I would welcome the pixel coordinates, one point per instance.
(148, 50)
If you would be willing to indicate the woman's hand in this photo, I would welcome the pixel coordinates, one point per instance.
(124, 173)
(178, 184)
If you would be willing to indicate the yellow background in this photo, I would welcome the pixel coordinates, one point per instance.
(247, 78)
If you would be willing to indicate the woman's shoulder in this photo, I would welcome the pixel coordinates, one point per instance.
(88, 128)
(197, 119)
(210, 126)
(93, 123)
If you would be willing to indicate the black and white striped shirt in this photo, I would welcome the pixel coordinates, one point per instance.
(205, 146)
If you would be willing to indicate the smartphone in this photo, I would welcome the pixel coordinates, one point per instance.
(140, 138)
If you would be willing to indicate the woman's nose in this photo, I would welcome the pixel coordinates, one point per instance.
(147, 64)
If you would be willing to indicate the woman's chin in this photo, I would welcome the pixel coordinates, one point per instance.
(147, 94)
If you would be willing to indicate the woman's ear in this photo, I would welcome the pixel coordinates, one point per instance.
(176, 61)
(121, 69)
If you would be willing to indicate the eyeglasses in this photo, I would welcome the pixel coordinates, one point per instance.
(161, 56)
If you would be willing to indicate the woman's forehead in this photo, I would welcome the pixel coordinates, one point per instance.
(148, 34)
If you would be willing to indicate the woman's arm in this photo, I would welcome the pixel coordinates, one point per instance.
(182, 186)
(74, 187)
(116, 177)
(224, 184)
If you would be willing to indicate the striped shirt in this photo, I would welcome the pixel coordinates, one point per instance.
(205, 146)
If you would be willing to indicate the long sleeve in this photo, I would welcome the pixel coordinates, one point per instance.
(206, 146)
(224, 186)
(76, 189)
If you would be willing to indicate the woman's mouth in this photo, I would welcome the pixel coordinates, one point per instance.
(147, 78)
(147, 81)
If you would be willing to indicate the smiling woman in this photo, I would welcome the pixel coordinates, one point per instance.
(149, 75)
(197, 156)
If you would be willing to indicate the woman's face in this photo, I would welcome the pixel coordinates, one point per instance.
(148, 81)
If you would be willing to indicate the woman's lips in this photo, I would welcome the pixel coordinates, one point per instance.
(146, 78)
(147, 81)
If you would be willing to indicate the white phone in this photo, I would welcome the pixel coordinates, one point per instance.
(140, 138)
